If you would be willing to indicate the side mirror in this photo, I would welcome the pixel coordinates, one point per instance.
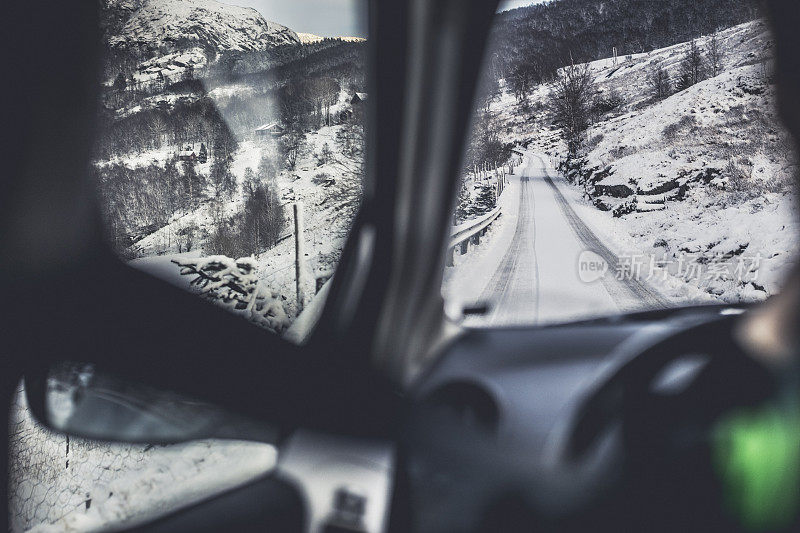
(77, 399)
(158, 365)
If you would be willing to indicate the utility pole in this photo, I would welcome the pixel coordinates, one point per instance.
(299, 253)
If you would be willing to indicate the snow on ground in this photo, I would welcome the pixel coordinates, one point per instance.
(224, 92)
(731, 233)
(727, 118)
(158, 156)
(161, 100)
(65, 485)
(163, 268)
(464, 282)
(615, 234)
(527, 267)
(743, 45)
(328, 192)
(327, 189)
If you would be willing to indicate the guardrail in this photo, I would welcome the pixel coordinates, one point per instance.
(470, 231)
(473, 230)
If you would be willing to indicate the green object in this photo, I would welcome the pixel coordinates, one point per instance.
(757, 456)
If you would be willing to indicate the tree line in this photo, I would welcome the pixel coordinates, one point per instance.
(150, 129)
(530, 44)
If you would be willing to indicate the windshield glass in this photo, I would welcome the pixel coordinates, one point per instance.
(622, 161)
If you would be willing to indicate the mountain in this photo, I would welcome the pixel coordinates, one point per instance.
(174, 25)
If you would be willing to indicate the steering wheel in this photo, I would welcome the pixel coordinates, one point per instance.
(665, 402)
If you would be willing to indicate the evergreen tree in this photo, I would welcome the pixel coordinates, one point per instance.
(464, 208)
(691, 67)
(486, 200)
(120, 83)
(660, 82)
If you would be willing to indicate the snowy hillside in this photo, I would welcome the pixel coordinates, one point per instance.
(205, 23)
(703, 176)
(328, 191)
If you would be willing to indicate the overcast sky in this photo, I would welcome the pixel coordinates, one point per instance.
(329, 18)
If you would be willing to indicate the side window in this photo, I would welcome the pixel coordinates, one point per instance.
(229, 161)
(231, 146)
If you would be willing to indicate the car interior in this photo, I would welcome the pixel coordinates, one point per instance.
(397, 409)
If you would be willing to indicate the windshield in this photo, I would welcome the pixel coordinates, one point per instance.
(620, 162)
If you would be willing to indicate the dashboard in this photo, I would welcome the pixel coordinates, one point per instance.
(488, 442)
(499, 411)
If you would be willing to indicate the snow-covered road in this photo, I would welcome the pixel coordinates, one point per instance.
(532, 271)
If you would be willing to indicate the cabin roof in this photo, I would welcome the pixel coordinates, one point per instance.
(270, 126)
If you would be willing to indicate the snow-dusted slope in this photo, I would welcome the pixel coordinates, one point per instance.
(743, 45)
(705, 176)
(171, 23)
(115, 13)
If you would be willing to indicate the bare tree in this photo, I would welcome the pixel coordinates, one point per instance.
(571, 103)
(485, 147)
(291, 144)
(490, 90)
(716, 55)
(520, 80)
(221, 178)
(322, 93)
